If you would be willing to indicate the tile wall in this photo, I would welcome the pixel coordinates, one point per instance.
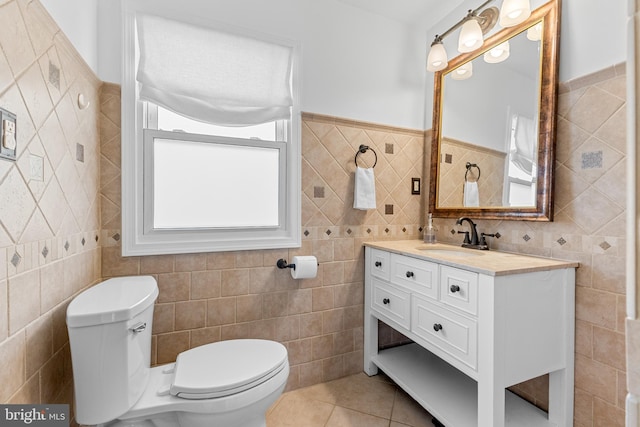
(216, 296)
(589, 226)
(49, 202)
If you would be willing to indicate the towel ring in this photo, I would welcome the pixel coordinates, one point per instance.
(469, 166)
(363, 149)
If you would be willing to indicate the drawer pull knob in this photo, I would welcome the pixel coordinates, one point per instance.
(378, 264)
(409, 274)
(386, 301)
(437, 327)
(455, 288)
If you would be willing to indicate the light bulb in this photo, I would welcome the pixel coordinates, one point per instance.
(513, 12)
(437, 59)
(498, 53)
(470, 36)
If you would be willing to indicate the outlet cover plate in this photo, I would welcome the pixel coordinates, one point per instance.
(8, 150)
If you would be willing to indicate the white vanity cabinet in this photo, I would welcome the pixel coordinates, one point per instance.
(480, 322)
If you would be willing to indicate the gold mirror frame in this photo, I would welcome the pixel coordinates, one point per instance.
(549, 14)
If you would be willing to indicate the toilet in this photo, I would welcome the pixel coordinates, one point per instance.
(227, 383)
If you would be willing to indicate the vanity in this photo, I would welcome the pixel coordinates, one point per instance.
(480, 321)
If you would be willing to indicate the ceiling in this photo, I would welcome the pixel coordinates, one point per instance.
(408, 11)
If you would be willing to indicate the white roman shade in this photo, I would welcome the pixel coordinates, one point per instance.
(213, 76)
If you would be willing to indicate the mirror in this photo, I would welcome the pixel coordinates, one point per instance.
(493, 136)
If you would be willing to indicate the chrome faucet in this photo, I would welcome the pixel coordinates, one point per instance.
(471, 241)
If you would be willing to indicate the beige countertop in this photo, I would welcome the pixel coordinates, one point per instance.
(493, 263)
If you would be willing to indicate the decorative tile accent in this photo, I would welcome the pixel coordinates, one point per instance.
(453, 232)
(15, 259)
(36, 168)
(54, 75)
(116, 237)
(388, 148)
(368, 231)
(306, 233)
(388, 209)
(66, 246)
(96, 237)
(605, 245)
(80, 152)
(420, 229)
(448, 158)
(386, 230)
(404, 229)
(318, 192)
(592, 160)
(45, 252)
(328, 232)
(349, 231)
(561, 241)
(526, 238)
(83, 241)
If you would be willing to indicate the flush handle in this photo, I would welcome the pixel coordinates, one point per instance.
(138, 328)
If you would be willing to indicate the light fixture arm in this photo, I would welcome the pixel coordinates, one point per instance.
(470, 15)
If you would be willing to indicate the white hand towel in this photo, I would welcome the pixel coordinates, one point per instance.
(364, 195)
(471, 196)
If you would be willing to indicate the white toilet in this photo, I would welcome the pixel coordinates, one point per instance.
(228, 383)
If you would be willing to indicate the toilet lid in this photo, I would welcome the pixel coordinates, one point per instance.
(226, 367)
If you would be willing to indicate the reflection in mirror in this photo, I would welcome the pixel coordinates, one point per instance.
(495, 108)
(492, 126)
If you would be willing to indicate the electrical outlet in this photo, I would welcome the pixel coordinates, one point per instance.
(8, 135)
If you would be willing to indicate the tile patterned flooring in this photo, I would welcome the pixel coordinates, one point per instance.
(354, 401)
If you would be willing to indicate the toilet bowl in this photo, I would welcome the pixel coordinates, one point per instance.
(227, 383)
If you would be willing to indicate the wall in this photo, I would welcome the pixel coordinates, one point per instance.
(49, 222)
(78, 21)
(210, 297)
(589, 226)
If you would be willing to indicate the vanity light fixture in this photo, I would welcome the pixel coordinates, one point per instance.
(463, 72)
(514, 12)
(477, 23)
(535, 33)
(498, 53)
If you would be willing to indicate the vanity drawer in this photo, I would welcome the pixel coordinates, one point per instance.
(452, 333)
(380, 265)
(459, 289)
(418, 275)
(391, 302)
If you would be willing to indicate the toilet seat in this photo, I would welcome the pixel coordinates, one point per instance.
(157, 399)
(226, 367)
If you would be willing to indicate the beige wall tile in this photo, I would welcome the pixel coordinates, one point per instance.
(12, 377)
(174, 287)
(39, 342)
(248, 308)
(190, 315)
(205, 284)
(596, 378)
(170, 345)
(24, 300)
(221, 311)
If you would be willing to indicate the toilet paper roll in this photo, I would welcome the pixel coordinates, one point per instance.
(306, 267)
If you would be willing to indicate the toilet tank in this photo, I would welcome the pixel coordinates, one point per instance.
(110, 337)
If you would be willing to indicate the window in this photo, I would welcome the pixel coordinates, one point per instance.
(211, 146)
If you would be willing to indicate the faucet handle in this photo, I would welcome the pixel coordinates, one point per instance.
(466, 237)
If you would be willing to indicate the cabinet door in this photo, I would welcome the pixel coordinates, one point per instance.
(454, 335)
(380, 265)
(418, 275)
(391, 302)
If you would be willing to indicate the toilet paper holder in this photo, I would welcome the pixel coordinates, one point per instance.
(281, 263)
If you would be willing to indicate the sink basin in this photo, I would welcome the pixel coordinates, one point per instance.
(450, 252)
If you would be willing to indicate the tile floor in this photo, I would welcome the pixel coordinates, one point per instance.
(354, 401)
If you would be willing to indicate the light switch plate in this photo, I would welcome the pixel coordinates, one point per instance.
(8, 135)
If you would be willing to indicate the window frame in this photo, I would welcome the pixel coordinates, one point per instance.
(136, 240)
